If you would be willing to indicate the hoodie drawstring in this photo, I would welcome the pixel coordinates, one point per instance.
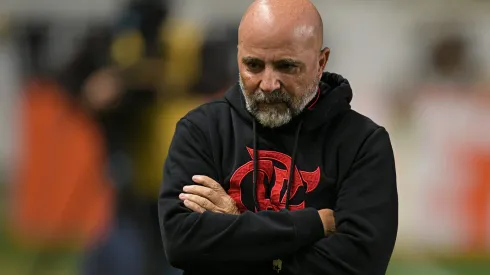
(292, 166)
(255, 171)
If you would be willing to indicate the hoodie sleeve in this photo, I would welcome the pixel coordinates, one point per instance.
(366, 216)
(193, 239)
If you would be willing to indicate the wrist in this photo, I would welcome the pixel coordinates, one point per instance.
(328, 221)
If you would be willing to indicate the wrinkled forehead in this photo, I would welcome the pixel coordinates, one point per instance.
(269, 42)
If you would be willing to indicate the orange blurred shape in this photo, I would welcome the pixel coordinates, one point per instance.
(478, 199)
(61, 194)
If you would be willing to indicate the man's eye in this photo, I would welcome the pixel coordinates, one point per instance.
(253, 66)
(287, 67)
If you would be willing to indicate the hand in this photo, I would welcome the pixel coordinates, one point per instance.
(328, 220)
(209, 195)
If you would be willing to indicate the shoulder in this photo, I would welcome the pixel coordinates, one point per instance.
(359, 124)
(207, 113)
(357, 128)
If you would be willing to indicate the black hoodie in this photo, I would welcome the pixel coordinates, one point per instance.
(342, 161)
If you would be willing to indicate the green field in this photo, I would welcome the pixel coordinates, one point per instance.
(439, 267)
(16, 261)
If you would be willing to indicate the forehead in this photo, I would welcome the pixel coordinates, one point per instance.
(270, 52)
(271, 43)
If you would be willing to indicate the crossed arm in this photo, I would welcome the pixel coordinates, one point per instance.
(202, 220)
(209, 195)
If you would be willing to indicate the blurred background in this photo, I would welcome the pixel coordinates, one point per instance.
(90, 91)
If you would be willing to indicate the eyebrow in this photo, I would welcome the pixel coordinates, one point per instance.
(288, 61)
(249, 59)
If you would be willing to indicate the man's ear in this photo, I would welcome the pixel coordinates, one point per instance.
(323, 60)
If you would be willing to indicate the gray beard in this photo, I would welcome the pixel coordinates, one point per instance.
(272, 116)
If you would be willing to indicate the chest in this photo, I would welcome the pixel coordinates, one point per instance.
(313, 178)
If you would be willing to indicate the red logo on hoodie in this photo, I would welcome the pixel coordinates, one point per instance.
(266, 169)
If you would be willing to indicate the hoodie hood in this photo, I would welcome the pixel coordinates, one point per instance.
(334, 97)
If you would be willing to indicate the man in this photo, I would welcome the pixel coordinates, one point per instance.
(251, 180)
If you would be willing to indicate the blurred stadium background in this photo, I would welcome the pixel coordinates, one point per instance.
(90, 91)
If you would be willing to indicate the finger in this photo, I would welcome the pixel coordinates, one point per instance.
(202, 202)
(194, 206)
(202, 191)
(207, 181)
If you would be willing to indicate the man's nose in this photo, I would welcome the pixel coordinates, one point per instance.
(270, 82)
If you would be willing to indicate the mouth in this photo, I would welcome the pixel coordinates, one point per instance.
(272, 106)
(274, 103)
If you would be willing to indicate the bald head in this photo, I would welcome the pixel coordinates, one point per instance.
(280, 58)
(280, 20)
